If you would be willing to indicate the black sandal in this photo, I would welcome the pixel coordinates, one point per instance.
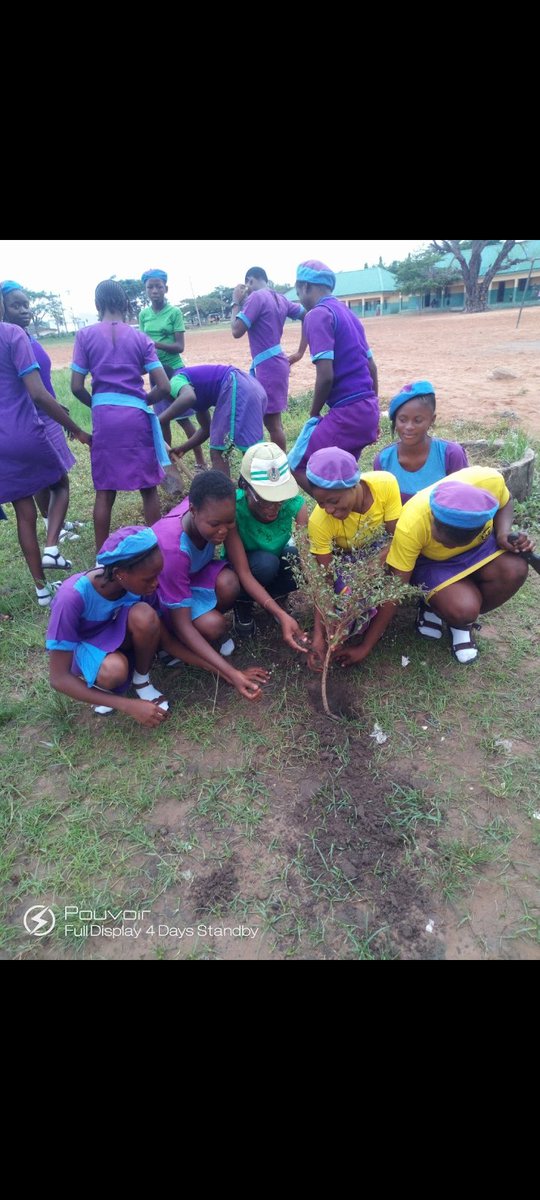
(466, 645)
(423, 614)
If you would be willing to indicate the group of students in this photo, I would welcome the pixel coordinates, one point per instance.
(160, 587)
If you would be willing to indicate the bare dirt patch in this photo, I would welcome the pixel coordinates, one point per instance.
(457, 352)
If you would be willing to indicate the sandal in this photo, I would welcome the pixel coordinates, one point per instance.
(427, 622)
(53, 560)
(466, 645)
(158, 697)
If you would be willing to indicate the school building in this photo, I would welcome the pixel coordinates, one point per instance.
(374, 292)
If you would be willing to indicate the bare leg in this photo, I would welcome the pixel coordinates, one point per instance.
(58, 506)
(166, 431)
(212, 625)
(219, 463)
(189, 430)
(500, 580)
(144, 631)
(151, 505)
(25, 512)
(227, 589)
(42, 500)
(103, 505)
(275, 428)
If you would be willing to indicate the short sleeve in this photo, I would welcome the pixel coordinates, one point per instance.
(80, 358)
(251, 310)
(63, 630)
(178, 324)
(455, 458)
(320, 530)
(22, 356)
(407, 543)
(319, 329)
(295, 311)
(174, 587)
(392, 499)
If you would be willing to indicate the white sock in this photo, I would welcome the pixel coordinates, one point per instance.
(50, 550)
(227, 648)
(102, 710)
(425, 629)
(145, 693)
(44, 595)
(462, 635)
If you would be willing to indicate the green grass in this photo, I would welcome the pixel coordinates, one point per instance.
(100, 813)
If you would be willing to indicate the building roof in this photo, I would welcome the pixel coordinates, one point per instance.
(378, 281)
(373, 281)
(523, 250)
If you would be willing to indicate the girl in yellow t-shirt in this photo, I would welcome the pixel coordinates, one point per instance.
(347, 503)
(452, 539)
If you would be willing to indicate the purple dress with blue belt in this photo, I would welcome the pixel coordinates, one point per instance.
(264, 313)
(239, 403)
(55, 432)
(28, 460)
(188, 578)
(123, 454)
(333, 332)
(90, 625)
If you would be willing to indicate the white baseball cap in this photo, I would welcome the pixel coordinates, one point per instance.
(265, 467)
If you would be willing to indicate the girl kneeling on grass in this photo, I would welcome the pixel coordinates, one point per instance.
(453, 540)
(102, 635)
(348, 503)
(195, 590)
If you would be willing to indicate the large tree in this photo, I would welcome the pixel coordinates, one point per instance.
(421, 273)
(476, 288)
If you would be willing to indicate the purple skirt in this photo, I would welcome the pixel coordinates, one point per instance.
(123, 455)
(57, 438)
(434, 575)
(28, 463)
(349, 426)
(239, 411)
(273, 375)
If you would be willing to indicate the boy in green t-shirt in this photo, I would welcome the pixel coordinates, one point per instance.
(267, 507)
(164, 324)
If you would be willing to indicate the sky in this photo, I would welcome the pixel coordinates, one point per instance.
(72, 269)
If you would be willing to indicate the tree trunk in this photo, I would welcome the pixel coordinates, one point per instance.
(323, 685)
(475, 296)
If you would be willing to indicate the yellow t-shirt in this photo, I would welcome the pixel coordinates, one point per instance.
(325, 532)
(413, 534)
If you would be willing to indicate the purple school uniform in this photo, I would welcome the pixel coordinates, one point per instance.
(189, 574)
(333, 332)
(55, 432)
(265, 312)
(85, 622)
(443, 459)
(123, 455)
(239, 403)
(28, 460)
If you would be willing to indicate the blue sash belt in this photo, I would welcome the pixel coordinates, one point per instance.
(122, 401)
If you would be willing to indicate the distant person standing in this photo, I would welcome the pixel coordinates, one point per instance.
(261, 313)
(346, 378)
(28, 460)
(164, 325)
(128, 450)
(17, 312)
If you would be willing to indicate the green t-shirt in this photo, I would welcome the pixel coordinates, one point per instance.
(161, 327)
(256, 535)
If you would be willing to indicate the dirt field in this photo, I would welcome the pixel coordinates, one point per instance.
(458, 353)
